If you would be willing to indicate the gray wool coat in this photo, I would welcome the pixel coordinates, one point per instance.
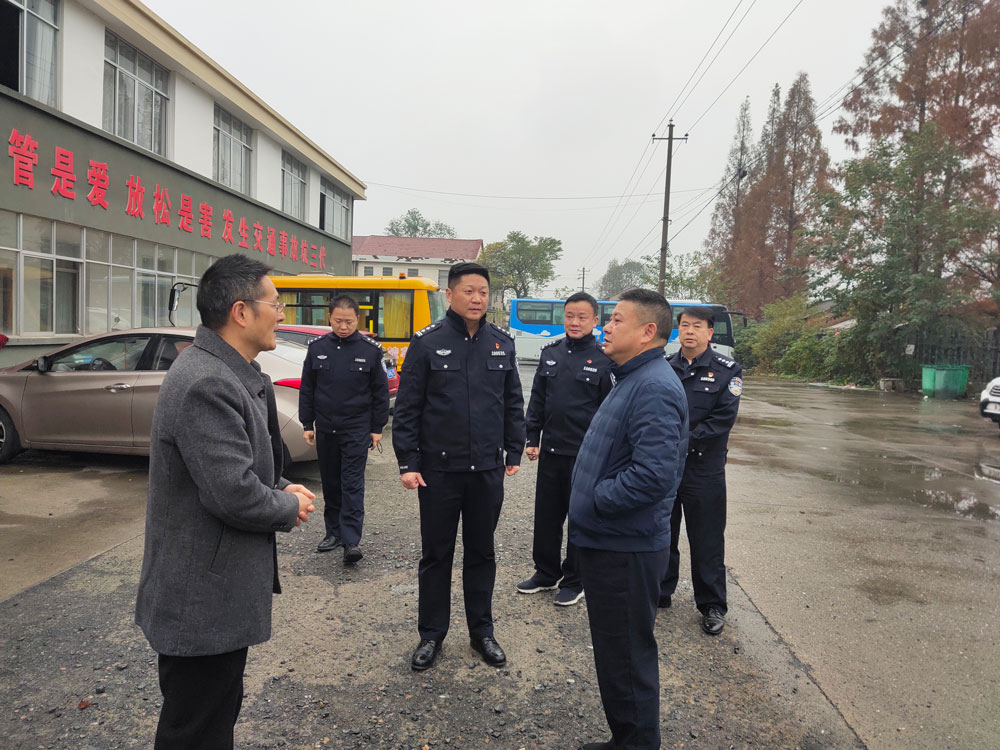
(209, 565)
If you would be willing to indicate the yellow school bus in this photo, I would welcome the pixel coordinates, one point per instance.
(392, 308)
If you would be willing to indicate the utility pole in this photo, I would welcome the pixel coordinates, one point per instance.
(664, 239)
(583, 279)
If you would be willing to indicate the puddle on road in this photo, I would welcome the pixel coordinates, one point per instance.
(873, 476)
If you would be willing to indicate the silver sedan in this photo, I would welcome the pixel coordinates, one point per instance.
(98, 395)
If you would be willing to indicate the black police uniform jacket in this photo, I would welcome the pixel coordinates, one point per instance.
(713, 385)
(343, 385)
(459, 404)
(572, 379)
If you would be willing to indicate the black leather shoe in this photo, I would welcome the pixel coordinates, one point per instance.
(329, 543)
(713, 621)
(352, 554)
(425, 655)
(663, 603)
(598, 746)
(490, 650)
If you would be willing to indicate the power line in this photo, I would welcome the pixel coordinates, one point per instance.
(694, 72)
(731, 34)
(616, 214)
(522, 197)
(746, 65)
(825, 111)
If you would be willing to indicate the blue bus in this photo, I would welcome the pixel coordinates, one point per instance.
(535, 322)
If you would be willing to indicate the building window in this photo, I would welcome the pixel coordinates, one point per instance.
(135, 95)
(74, 279)
(442, 278)
(335, 210)
(369, 270)
(387, 270)
(293, 186)
(231, 151)
(28, 48)
(411, 272)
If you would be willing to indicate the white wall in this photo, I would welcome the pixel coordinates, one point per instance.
(81, 62)
(312, 195)
(267, 154)
(191, 126)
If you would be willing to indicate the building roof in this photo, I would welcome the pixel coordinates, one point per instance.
(430, 248)
(144, 23)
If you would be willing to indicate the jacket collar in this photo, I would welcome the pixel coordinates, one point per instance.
(580, 344)
(459, 322)
(353, 337)
(248, 372)
(702, 360)
(621, 371)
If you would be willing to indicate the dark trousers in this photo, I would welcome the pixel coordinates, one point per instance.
(552, 489)
(202, 696)
(622, 590)
(476, 497)
(701, 497)
(342, 459)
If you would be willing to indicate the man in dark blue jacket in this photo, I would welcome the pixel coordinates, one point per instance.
(343, 407)
(624, 485)
(458, 411)
(713, 384)
(572, 379)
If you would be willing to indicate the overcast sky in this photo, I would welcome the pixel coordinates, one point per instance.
(532, 99)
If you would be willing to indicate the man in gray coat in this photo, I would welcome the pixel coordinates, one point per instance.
(216, 499)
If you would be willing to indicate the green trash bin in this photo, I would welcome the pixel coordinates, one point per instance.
(950, 381)
(927, 373)
(944, 381)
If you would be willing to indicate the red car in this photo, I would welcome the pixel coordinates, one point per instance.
(305, 335)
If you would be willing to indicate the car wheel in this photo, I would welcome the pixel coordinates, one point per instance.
(10, 444)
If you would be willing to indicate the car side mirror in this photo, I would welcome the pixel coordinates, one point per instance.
(42, 363)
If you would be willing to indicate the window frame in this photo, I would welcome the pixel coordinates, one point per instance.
(22, 56)
(158, 136)
(291, 180)
(336, 210)
(242, 144)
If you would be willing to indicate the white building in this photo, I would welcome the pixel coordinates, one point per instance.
(134, 160)
(430, 257)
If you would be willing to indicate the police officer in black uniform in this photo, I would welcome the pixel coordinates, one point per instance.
(458, 410)
(572, 379)
(343, 406)
(713, 384)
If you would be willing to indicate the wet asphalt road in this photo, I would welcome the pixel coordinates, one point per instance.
(862, 528)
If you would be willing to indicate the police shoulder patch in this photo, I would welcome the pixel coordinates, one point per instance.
(504, 331)
(370, 340)
(725, 362)
(553, 342)
(736, 386)
(428, 329)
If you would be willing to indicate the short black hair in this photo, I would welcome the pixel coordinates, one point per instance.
(227, 281)
(700, 312)
(345, 300)
(655, 307)
(459, 270)
(581, 297)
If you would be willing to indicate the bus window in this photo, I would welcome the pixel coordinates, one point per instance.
(395, 319)
(606, 309)
(537, 313)
(438, 304)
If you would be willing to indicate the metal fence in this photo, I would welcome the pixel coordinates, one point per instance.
(981, 352)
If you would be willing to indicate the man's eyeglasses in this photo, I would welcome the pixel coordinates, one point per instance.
(278, 306)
